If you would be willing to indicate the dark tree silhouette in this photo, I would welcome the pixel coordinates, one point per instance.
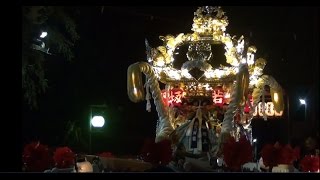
(59, 23)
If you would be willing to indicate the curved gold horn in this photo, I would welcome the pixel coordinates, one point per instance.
(135, 87)
(135, 90)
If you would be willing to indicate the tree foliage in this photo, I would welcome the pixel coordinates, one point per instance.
(60, 24)
(74, 136)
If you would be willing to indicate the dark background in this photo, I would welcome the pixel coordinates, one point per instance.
(110, 41)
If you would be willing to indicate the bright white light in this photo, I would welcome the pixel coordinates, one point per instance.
(219, 73)
(239, 47)
(135, 91)
(243, 61)
(185, 73)
(206, 86)
(159, 63)
(250, 58)
(174, 74)
(97, 121)
(253, 80)
(302, 101)
(254, 140)
(43, 34)
(209, 74)
(229, 44)
(236, 69)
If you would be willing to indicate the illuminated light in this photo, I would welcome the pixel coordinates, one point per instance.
(185, 73)
(278, 114)
(269, 110)
(219, 73)
(227, 95)
(236, 69)
(206, 86)
(43, 34)
(229, 44)
(275, 97)
(250, 58)
(240, 46)
(254, 140)
(255, 113)
(260, 109)
(97, 121)
(257, 71)
(209, 74)
(135, 91)
(253, 80)
(174, 74)
(159, 63)
(236, 63)
(302, 101)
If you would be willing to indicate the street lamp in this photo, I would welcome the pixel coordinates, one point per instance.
(304, 102)
(96, 121)
(43, 34)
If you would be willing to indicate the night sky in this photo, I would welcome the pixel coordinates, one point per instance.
(112, 40)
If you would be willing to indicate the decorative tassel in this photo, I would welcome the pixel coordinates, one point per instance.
(263, 105)
(148, 97)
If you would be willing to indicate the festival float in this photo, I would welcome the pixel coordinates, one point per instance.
(204, 108)
(200, 104)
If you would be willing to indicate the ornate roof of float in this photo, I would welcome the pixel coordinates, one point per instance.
(209, 26)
